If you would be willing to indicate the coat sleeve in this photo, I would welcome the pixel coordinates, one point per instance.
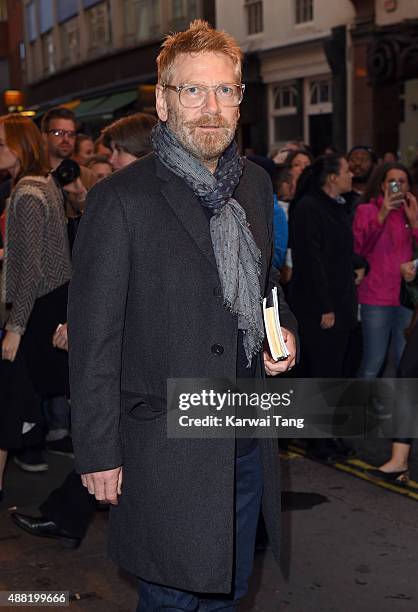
(366, 229)
(97, 299)
(287, 318)
(309, 241)
(280, 236)
(28, 217)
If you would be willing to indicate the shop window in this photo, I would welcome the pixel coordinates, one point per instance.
(287, 128)
(254, 10)
(285, 114)
(320, 92)
(303, 11)
(285, 98)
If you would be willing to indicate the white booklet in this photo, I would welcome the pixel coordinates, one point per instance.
(271, 315)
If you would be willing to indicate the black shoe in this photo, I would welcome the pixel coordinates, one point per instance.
(378, 411)
(44, 528)
(396, 478)
(31, 460)
(62, 446)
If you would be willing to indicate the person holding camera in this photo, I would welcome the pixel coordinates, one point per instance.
(385, 230)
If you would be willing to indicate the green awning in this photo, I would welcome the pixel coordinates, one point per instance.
(110, 104)
(86, 107)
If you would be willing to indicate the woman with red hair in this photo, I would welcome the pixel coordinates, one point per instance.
(36, 271)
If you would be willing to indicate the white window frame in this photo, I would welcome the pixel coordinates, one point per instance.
(320, 108)
(284, 111)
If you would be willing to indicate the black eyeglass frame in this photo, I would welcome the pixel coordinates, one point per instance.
(69, 133)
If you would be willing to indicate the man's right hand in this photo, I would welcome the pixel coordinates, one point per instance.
(105, 486)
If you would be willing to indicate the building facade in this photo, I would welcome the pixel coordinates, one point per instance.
(300, 49)
(385, 79)
(98, 56)
(341, 73)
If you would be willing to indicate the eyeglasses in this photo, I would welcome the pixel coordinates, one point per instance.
(193, 96)
(62, 133)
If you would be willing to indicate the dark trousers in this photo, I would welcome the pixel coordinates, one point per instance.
(323, 351)
(70, 506)
(248, 490)
(323, 355)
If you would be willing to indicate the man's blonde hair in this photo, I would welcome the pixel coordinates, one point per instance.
(200, 37)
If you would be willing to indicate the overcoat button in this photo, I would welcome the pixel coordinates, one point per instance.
(217, 292)
(217, 349)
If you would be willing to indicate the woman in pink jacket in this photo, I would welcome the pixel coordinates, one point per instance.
(385, 229)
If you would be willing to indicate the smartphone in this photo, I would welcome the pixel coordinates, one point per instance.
(395, 189)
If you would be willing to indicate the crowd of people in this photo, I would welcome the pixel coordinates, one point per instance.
(349, 270)
(345, 243)
(46, 174)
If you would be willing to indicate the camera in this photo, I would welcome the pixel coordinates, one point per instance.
(67, 172)
(394, 187)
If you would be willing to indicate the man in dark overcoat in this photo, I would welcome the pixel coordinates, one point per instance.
(171, 262)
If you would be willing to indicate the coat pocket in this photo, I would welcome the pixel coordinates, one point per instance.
(142, 407)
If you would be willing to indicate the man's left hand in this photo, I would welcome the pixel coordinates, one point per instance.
(272, 367)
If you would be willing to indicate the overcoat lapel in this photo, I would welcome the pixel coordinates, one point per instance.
(188, 210)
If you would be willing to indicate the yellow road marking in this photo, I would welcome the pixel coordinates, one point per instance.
(355, 467)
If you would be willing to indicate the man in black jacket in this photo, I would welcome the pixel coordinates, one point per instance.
(170, 264)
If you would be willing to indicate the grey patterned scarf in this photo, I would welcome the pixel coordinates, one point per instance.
(237, 256)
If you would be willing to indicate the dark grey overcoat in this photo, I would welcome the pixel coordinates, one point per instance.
(145, 305)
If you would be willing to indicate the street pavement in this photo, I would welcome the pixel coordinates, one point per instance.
(348, 545)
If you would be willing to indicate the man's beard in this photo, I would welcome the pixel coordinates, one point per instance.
(206, 147)
(59, 153)
(362, 178)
